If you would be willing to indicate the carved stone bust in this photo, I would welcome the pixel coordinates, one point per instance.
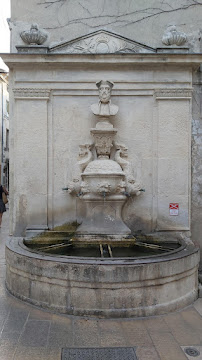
(104, 107)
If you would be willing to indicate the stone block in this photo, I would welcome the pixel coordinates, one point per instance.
(61, 301)
(40, 292)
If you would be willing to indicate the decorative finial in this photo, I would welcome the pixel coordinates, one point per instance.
(174, 37)
(34, 36)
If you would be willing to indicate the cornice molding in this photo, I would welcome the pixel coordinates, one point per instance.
(14, 60)
(33, 93)
(173, 93)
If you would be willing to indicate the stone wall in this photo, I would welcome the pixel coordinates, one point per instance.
(51, 114)
(65, 20)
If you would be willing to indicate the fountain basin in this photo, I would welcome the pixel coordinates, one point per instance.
(108, 287)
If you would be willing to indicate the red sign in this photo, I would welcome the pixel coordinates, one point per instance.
(174, 209)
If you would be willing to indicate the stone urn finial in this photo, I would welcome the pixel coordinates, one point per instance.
(174, 37)
(34, 36)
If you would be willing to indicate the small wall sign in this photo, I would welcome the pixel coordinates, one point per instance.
(174, 209)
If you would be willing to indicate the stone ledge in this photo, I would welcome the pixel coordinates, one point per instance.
(192, 60)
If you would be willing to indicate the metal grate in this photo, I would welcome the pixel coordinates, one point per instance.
(191, 351)
(127, 353)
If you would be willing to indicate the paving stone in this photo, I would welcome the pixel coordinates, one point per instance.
(61, 333)
(146, 353)
(2, 270)
(156, 324)
(86, 333)
(35, 333)
(7, 349)
(27, 353)
(166, 346)
(15, 303)
(183, 332)
(194, 322)
(3, 291)
(16, 320)
(4, 306)
(136, 333)
(12, 337)
(37, 314)
(198, 305)
(111, 333)
(61, 322)
(53, 354)
(2, 321)
(60, 339)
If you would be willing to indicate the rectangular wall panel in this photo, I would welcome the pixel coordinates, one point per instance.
(173, 162)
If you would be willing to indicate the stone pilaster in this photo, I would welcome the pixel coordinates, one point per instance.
(173, 157)
(30, 163)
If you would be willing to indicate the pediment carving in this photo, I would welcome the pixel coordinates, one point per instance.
(101, 42)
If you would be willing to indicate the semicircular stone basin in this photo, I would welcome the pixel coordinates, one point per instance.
(112, 284)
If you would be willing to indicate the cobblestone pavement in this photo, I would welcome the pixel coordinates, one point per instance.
(28, 333)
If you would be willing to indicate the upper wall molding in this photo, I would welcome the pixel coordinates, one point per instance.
(27, 93)
(47, 62)
(173, 93)
(151, 58)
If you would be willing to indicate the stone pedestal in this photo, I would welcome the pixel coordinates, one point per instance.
(103, 216)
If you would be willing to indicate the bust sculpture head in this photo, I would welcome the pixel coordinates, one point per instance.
(104, 107)
(105, 88)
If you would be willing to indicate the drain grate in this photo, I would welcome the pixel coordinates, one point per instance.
(191, 351)
(127, 353)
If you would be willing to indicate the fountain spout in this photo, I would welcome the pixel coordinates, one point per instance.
(126, 193)
(80, 193)
(65, 188)
(104, 194)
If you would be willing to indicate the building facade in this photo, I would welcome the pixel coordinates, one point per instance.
(157, 86)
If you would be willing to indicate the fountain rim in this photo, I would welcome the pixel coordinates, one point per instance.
(17, 245)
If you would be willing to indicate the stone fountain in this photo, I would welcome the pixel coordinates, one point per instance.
(103, 269)
(105, 181)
